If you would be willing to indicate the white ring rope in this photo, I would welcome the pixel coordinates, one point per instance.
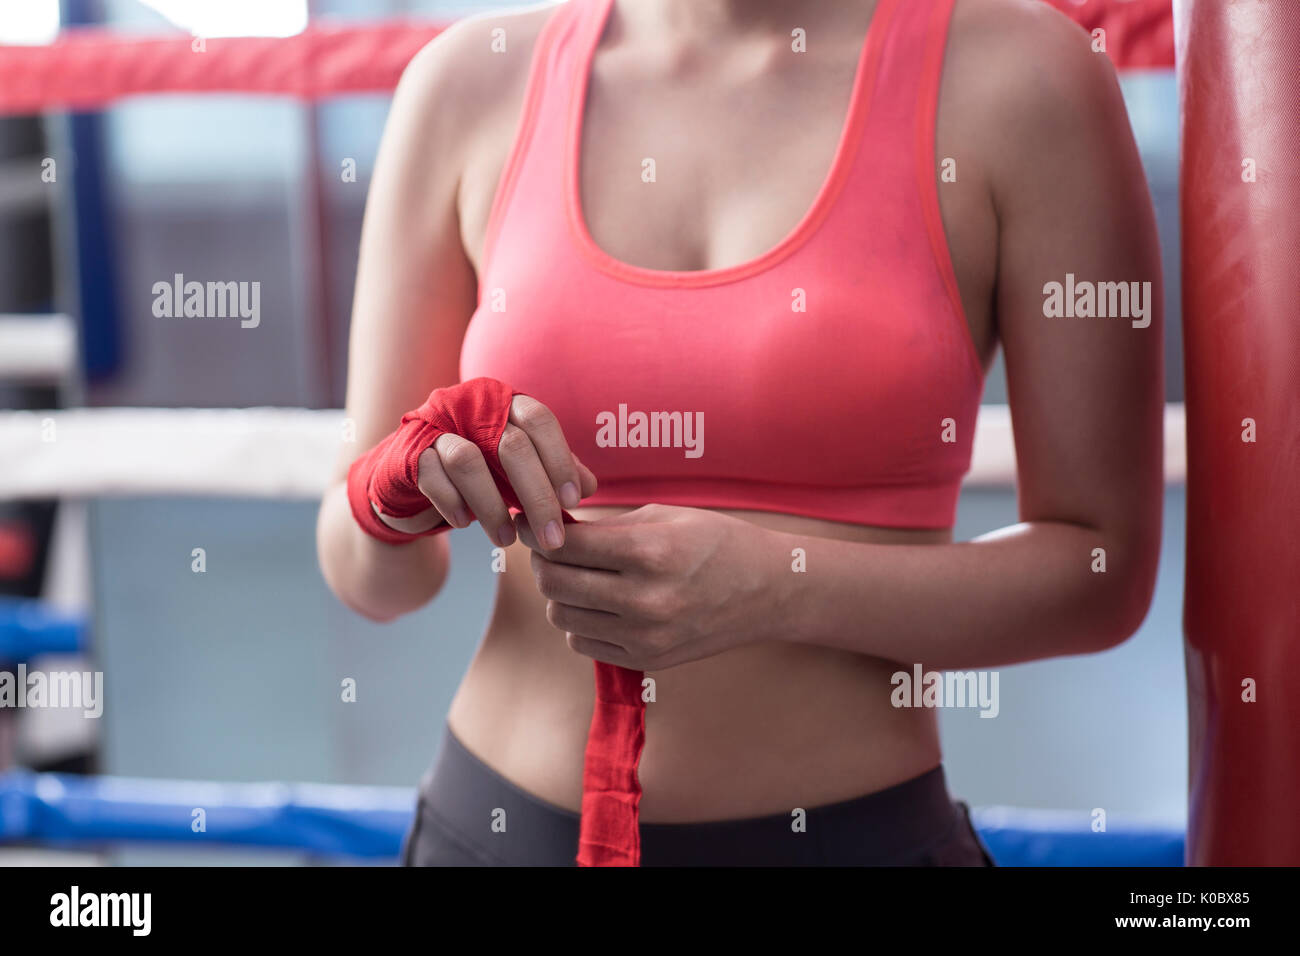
(291, 452)
(236, 452)
(37, 348)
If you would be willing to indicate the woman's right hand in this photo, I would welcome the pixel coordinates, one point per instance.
(545, 475)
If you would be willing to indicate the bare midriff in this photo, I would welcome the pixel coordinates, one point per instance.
(757, 730)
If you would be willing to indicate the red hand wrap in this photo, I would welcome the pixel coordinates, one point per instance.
(386, 477)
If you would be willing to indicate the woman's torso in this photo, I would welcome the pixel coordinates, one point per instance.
(742, 136)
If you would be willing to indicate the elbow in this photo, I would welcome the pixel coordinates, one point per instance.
(373, 614)
(383, 598)
(1123, 623)
(338, 581)
(1131, 596)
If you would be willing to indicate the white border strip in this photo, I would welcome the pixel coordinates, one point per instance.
(291, 452)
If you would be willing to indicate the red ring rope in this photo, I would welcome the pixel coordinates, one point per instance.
(91, 68)
(86, 69)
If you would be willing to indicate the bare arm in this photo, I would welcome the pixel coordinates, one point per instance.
(1086, 395)
(415, 292)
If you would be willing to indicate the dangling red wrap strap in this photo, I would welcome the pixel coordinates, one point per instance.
(611, 793)
(386, 478)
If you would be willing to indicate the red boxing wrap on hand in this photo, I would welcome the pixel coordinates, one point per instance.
(387, 476)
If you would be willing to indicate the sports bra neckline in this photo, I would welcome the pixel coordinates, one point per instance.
(831, 186)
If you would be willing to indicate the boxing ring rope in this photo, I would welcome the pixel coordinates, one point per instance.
(323, 819)
(37, 348)
(30, 628)
(290, 453)
(90, 68)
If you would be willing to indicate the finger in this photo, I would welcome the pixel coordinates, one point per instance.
(587, 476)
(594, 625)
(532, 486)
(600, 651)
(570, 553)
(548, 440)
(589, 545)
(579, 587)
(467, 470)
(434, 484)
(425, 521)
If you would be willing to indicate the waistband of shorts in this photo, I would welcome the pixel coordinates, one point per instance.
(894, 826)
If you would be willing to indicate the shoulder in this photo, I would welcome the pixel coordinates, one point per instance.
(1023, 35)
(1028, 59)
(471, 73)
(1030, 86)
(481, 54)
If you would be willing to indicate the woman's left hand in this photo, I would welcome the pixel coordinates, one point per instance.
(658, 586)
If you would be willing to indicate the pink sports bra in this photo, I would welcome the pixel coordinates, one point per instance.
(832, 377)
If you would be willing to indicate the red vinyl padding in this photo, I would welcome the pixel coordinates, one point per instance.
(1239, 81)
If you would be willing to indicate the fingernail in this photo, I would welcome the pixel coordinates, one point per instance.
(506, 535)
(459, 518)
(569, 496)
(552, 536)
